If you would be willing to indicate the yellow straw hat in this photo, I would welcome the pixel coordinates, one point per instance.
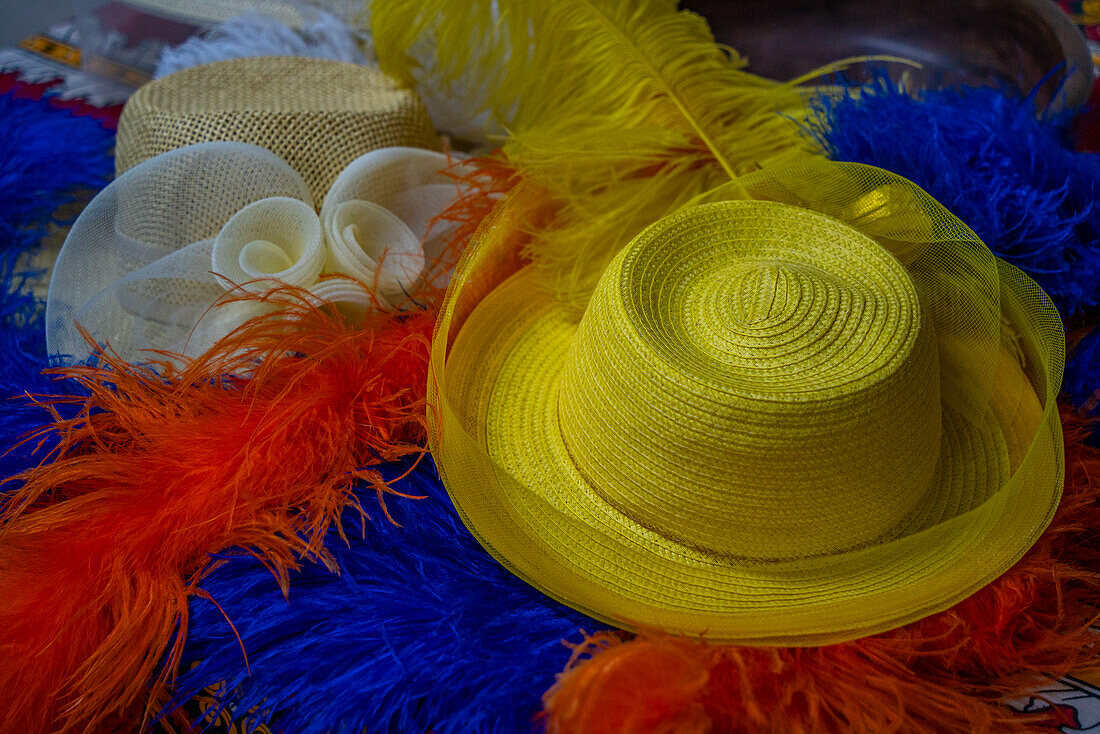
(315, 114)
(815, 410)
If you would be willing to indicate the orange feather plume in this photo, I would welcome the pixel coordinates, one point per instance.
(482, 183)
(951, 672)
(103, 544)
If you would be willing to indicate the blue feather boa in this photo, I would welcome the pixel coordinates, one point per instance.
(1014, 179)
(422, 630)
(46, 156)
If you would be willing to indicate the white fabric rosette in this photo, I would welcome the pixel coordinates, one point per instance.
(155, 261)
(369, 243)
(270, 241)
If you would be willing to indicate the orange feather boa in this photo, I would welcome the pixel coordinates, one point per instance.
(104, 542)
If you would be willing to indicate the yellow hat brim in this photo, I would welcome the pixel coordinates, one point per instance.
(502, 457)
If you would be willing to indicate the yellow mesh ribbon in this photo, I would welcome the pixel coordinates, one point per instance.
(811, 408)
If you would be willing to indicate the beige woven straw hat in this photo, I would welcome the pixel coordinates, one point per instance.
(817, 409)
(315, 114)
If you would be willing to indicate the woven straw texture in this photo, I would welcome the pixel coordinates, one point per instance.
(817, 409)
(315, 114)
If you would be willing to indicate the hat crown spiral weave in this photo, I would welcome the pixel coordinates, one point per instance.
(756, 380)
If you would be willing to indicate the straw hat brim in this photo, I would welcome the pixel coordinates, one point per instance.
(564, 538)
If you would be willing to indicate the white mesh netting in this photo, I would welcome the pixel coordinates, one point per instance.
(149, 258)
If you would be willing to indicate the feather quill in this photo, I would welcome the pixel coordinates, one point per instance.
(621, 111)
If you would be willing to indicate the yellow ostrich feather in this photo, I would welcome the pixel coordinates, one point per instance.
(621, 110)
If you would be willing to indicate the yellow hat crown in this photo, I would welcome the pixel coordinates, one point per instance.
(758, 381)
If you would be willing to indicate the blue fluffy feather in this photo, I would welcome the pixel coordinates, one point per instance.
(1082, 381)
(422, 630)
(46, 156)
(1011, 176)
